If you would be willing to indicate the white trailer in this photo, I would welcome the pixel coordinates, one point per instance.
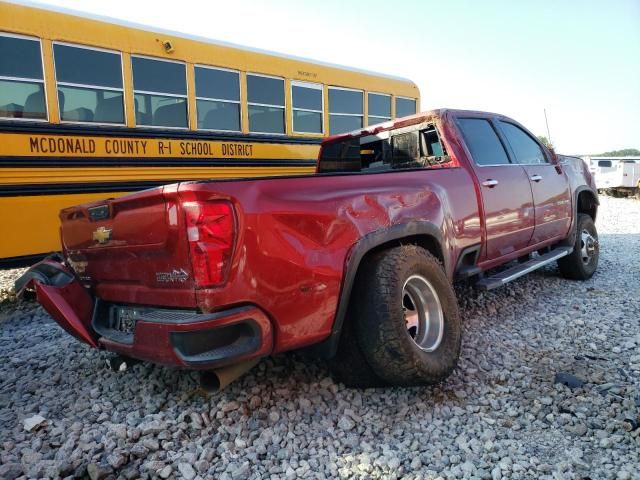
(616, 176)
(601, 165)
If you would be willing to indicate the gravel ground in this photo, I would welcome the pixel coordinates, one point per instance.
(500, 415)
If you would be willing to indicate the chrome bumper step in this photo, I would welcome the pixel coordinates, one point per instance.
(510, 274)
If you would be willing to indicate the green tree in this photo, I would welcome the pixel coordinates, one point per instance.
(626, 152)
(545, 141)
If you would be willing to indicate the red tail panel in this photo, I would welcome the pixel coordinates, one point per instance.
(71, 306)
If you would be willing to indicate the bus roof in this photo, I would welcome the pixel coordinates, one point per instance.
(196, 38)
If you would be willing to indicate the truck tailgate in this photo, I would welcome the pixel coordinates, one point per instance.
(131, 246)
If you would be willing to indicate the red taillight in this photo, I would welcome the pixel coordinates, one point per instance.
(210, 233)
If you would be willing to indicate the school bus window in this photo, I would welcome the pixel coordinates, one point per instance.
(306, 100)
(89, 84)
(21, 78)
(160, 91)
(218, 99)
(265, 97)
(379, 108)
(345, 110)
(405, 106)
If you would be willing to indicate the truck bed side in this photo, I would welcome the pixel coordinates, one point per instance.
(296, 237)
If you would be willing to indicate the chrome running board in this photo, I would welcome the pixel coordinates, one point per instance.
(510, 274)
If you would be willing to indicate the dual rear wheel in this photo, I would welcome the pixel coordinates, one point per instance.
(403, 326)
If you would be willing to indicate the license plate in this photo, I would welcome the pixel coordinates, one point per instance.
(125, 319)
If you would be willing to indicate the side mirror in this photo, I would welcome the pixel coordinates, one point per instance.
(554, 156)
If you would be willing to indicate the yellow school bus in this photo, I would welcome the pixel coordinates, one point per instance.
(91, 108)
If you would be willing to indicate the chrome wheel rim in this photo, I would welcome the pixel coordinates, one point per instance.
(588, 247)
(423, 315)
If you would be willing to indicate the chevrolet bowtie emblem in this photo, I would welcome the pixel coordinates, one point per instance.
(102, 235)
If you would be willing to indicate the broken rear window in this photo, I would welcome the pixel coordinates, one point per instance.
(385, 151)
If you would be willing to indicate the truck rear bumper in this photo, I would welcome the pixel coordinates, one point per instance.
(181, 338)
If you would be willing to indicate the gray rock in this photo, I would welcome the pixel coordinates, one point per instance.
(165, 472)
(230, 406)
(151, 444)
(139, 450)
(202, 466)
(119, 430)
(346, 423)
(568, 380)
(117, 460)
(152, 427)
(241, 472)
(274, 417)
(10, 470)
(98, 472)
(186, 470)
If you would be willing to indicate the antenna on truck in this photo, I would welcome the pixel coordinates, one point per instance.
(547, 123)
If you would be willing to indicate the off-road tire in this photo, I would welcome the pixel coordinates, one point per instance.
(379, 319)
(349, 365)
(572, 266)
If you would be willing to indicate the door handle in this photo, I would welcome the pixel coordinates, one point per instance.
(490, 183)
(535, 178)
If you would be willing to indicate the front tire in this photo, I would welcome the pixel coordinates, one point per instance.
(407, 320)
(582, 263)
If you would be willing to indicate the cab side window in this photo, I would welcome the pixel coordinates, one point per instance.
(483, 142)
(526, 149)
(21, 78)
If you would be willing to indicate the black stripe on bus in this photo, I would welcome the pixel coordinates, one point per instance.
(22, 261)
(23, 162)
(100, 131)
(81, 187)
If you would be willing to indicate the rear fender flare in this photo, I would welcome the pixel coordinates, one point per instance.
(328, 347)
(571, 238)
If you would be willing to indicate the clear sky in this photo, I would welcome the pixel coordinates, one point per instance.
(579, 59)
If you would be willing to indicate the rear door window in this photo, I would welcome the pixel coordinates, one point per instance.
(384, 152)
(483, 142)
(526, 149)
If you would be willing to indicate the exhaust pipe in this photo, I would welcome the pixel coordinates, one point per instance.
(212, 381)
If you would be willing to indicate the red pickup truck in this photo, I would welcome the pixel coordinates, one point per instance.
(355, 263)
